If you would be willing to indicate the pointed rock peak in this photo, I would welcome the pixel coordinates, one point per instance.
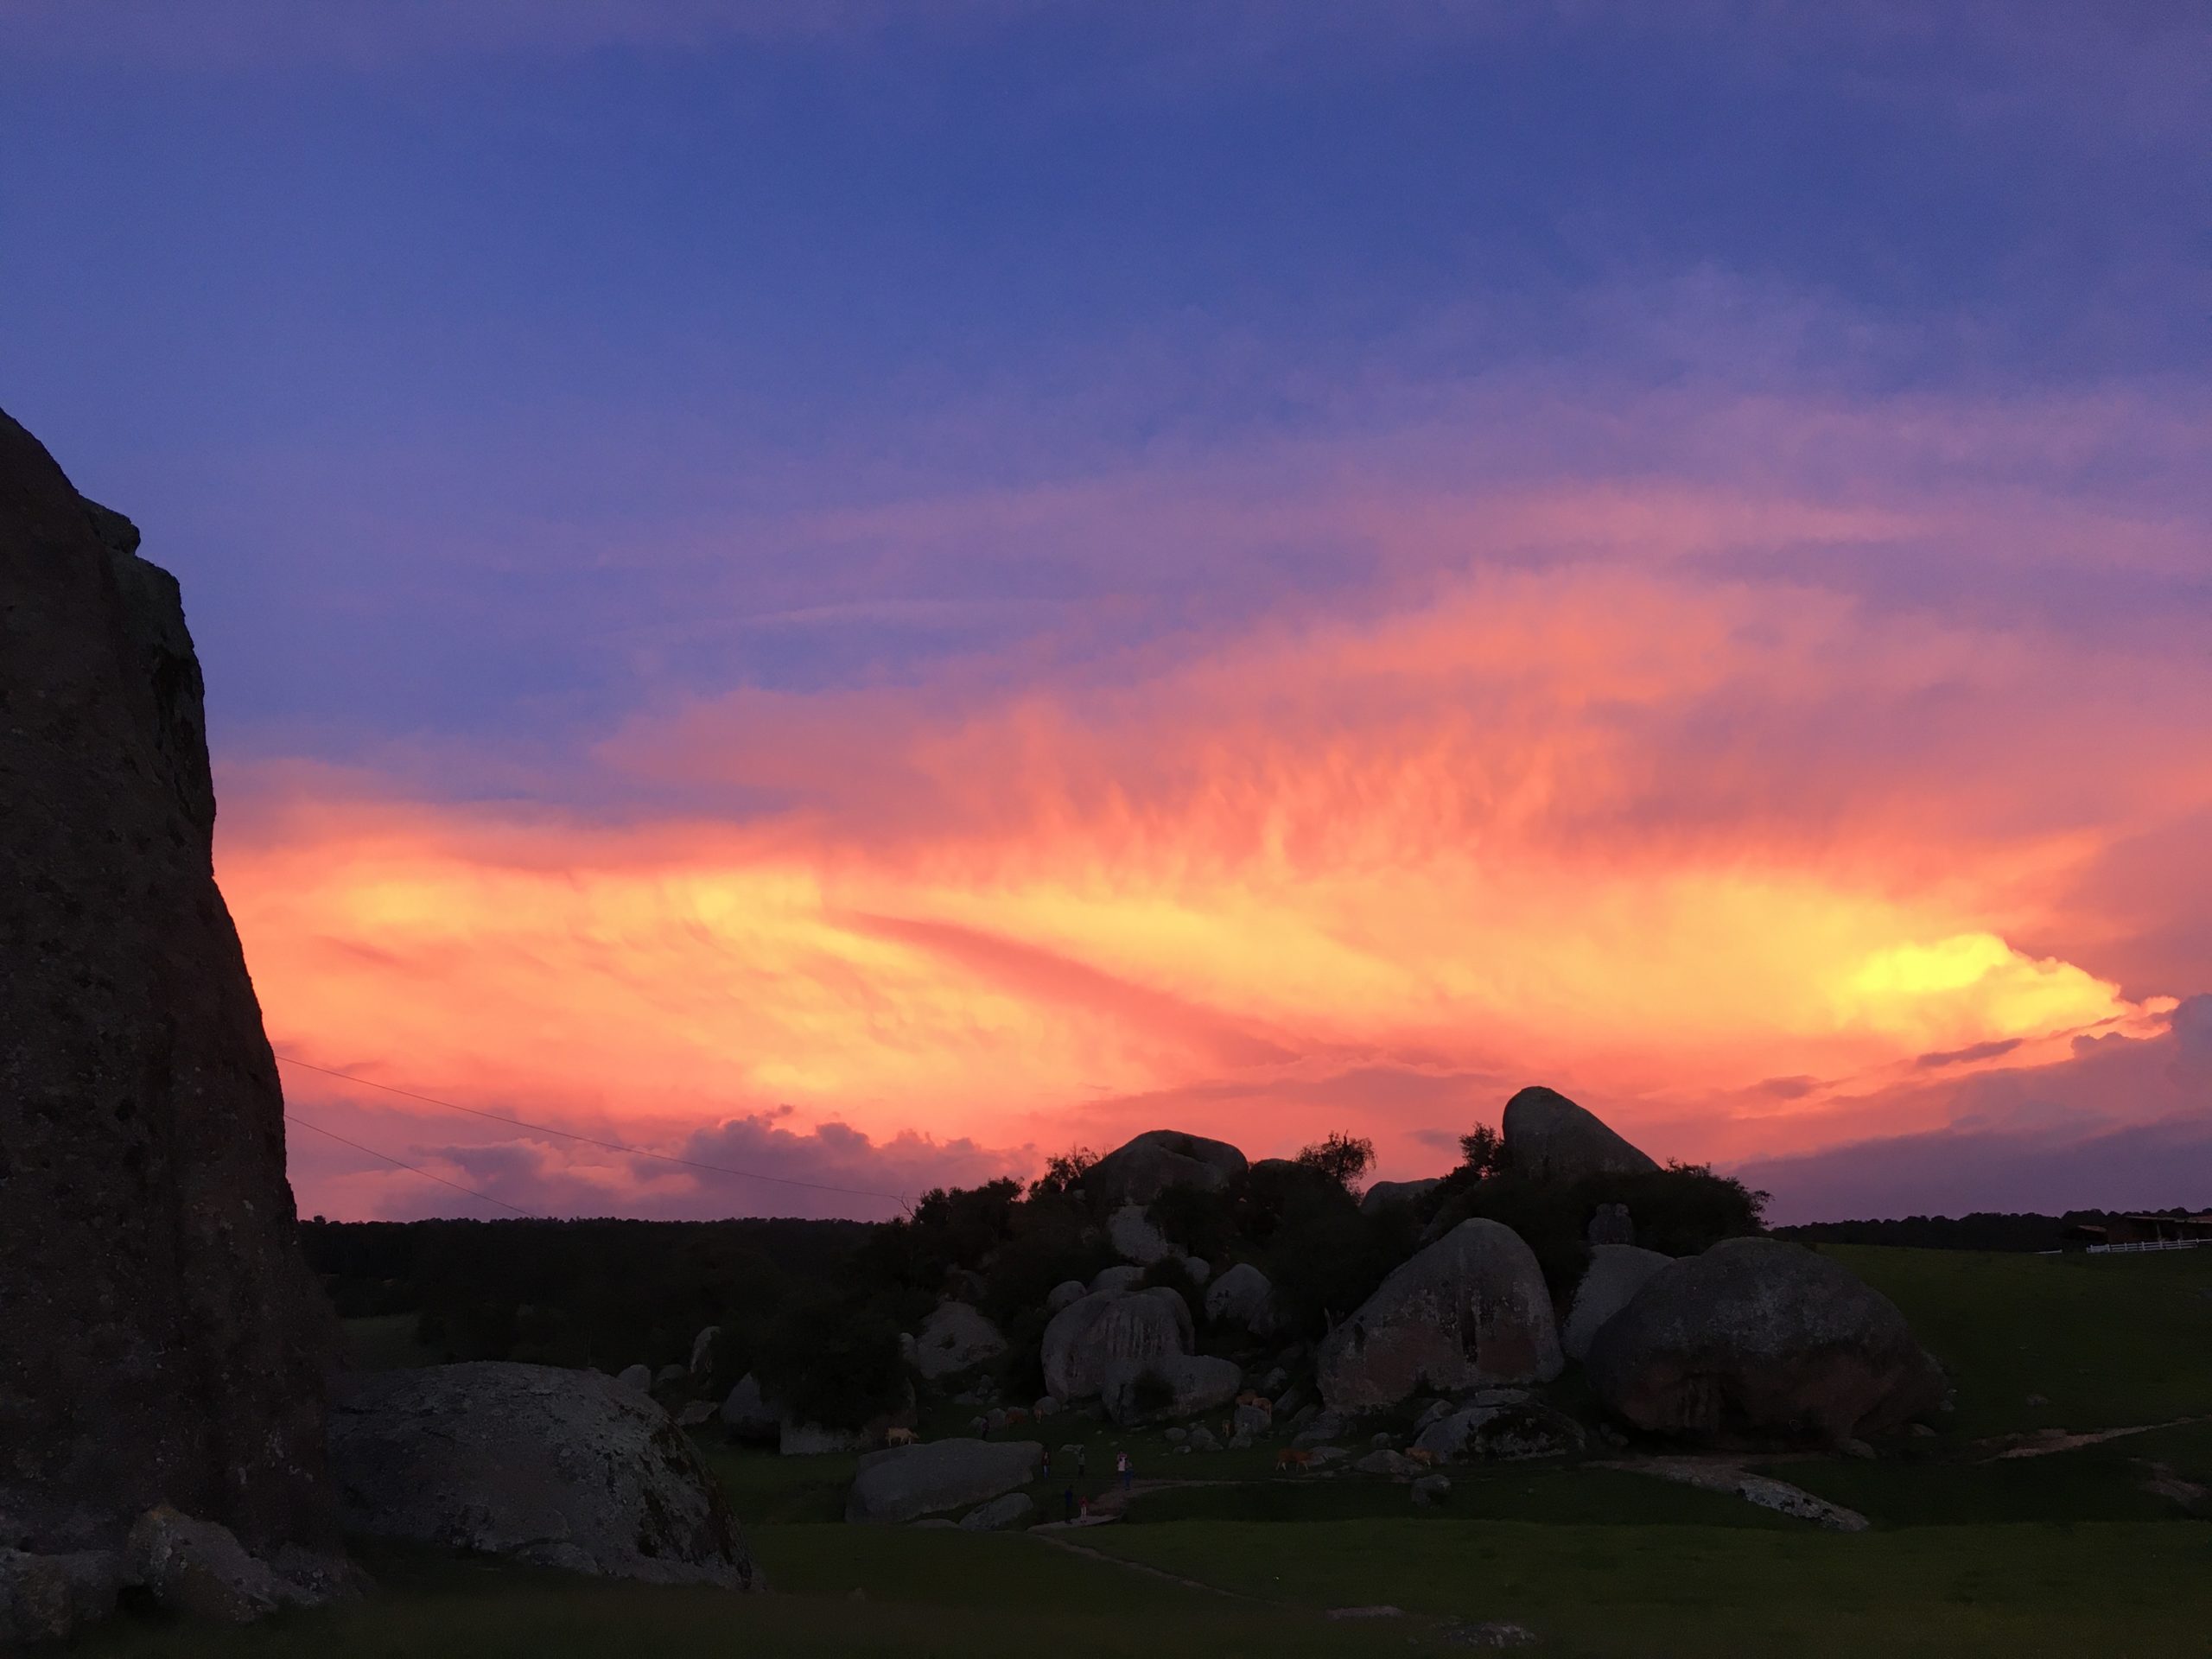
(1548, 1137)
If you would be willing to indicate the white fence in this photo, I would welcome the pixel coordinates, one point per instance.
(2148, 1244)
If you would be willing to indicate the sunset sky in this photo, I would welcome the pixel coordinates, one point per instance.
(869, 592)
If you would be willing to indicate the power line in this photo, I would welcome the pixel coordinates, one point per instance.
(294, 1117)
(610, 1146)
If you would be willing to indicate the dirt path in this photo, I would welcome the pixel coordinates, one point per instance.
(1109, 1504)
(1056, 1536)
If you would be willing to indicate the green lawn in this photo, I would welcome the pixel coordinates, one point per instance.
(2106, 1339)
(840, 1591)
(2011, 1590)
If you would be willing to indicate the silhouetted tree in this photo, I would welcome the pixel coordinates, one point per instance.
(1063, 1171)
(1482, 1153)
(1342, 1157)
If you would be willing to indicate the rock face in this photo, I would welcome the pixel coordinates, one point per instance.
(1550, 1138)
(164, 1341)
(954, 1337)
(563, 1469)
(1157, 1160)
(1761, 1339)
(1067, 1293)
(1470, 1309)
(1122, 1276)
(1381, 1196)
(1135, 1238)
(1243, 1297)
(1109, 1337)
(910, 1481)
(1617, 1272)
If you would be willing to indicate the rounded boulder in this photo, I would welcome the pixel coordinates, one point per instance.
(556, 1468)
(1761, 1339)
(1243, 1297)
(1617, 1272)
(1111, 1337)
(908, 1482)
(954, 1338)
(1141, 1170)
(1470, 1310)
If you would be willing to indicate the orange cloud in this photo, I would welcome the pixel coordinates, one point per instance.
(1655, 838)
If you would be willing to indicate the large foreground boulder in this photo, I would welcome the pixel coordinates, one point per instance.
(1616, 1273)
(1470, 1310)
(1141, 1170)
(954, 1338)
(1111, 1337)
(907, 1482)
(556, 1468)
(1759, 1339)
(162, 1341)
(1548, 1138)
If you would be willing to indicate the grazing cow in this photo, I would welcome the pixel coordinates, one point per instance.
(1016, 1414)
(899, 1437)
(1292, 1457)
(1251, 1397)
(1422, 1455)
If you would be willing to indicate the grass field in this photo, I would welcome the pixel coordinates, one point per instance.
(1968, 1555)
(2107, 1340)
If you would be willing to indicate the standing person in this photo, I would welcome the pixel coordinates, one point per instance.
(1082, 1459)
(1127, 1465)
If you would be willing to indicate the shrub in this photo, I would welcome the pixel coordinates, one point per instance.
(1202, 1221)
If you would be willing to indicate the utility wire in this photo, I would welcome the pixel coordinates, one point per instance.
(294, 1117)
(611, 1146)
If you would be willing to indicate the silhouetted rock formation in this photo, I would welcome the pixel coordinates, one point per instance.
(1550, 1138)
(1141, 1170)
(161, 1340)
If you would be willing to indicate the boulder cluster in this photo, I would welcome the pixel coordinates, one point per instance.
(1752, 1341)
